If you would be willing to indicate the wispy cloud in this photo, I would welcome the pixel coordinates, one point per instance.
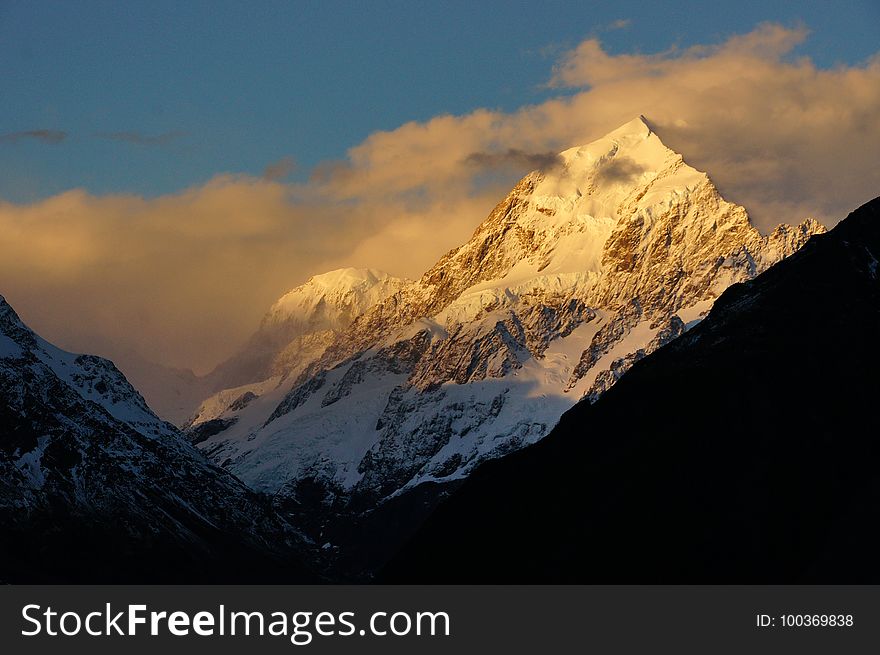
(46, 136)
(278, 170)
(620, 169)
(140, 139)
(514, 158)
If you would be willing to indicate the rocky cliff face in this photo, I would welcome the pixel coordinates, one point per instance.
(579, 272)
(94, 487)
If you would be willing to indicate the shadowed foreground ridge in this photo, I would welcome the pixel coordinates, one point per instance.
(745, 451)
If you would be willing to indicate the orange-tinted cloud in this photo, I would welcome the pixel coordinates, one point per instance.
(278, 170)
(774, 131)
(166, 277)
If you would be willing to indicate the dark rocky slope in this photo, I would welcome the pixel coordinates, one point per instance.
(746, 451)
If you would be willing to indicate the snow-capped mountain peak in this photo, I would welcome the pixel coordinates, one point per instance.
(596, 225)
(584, 268)
(95, 379)
(564, 215)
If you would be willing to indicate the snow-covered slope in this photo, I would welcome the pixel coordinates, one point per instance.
(330, 301)
(294, 332)
(94, 487)
(580, 271)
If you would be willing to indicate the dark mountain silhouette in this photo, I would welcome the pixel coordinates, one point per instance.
(746, 451)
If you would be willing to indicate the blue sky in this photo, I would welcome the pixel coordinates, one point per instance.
(154, 97)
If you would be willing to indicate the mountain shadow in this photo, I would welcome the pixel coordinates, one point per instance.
(746, 451)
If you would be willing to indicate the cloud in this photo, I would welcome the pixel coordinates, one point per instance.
(139, 139)
(619, 169)
(278, 170)
(619, 24)
(589, 65)
(513, 157)
(777, 134)
(46, 136)
(161, 276)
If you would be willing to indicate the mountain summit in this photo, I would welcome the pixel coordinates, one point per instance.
(579, 272)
